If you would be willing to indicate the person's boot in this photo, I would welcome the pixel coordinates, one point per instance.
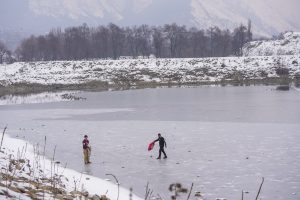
(158, 158)
(165, 157)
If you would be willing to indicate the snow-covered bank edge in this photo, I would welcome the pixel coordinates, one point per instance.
(102, 75)
(27, 174)
(43, 97)
(25, 93)
(114, 73)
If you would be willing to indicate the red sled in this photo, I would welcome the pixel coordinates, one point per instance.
(150, 146)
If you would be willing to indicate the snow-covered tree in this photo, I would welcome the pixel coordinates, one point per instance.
(5, 54)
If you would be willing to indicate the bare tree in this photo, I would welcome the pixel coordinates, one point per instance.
(158, 41)
(131, 42)
(239, 39)
(100, 42)
(55, 45)
(112, 41)
(27, 51)
(116, 40)
(144, 34)
(198, 43)
(176, 36)
(249, 31)
(5, 54)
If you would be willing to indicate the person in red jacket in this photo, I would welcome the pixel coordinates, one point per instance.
(162, 144)
(86, 150)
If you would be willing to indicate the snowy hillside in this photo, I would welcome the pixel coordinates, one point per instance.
(288, 45)
(268, 17)
(149, 71)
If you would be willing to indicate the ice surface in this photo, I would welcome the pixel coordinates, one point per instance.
(223, 139)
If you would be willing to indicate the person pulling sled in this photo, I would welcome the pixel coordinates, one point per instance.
(162, 144)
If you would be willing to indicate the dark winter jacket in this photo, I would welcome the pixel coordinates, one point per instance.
(162, 141)
(85, 143)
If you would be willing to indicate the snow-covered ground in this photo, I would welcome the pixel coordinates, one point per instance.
(21, 161)
(43, 97)
(288, 45)
(149, 70)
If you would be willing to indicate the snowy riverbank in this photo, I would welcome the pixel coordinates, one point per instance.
(117, 73)
(266, 61)
(26, 174)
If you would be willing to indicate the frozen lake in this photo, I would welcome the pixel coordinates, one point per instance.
(222, 139)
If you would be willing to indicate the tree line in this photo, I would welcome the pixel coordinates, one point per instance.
(114, 42)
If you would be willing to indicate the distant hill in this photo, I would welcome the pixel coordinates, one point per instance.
(268, 17)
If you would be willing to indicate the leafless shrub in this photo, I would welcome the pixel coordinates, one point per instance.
(178, 189)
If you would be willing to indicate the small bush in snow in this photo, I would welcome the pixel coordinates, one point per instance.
(282, 71)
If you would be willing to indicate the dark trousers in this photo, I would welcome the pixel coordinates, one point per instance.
(161, 149)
